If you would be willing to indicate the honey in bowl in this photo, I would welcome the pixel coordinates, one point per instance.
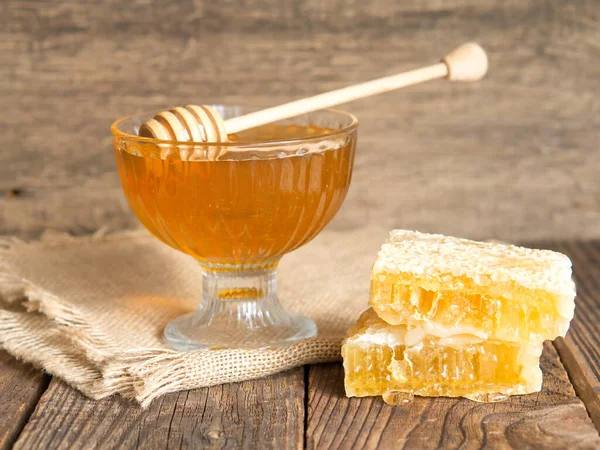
(243, 209)
(237, 206)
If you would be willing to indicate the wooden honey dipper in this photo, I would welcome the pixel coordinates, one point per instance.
(204, 124)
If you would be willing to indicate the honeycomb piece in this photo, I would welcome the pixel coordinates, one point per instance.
(378, 361)
(494, 291)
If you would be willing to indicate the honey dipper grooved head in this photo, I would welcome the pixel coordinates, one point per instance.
(191, 123)
(211, 121)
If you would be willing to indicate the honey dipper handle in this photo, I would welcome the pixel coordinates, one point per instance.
(466, 63)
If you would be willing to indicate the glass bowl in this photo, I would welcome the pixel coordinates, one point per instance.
(271, 190)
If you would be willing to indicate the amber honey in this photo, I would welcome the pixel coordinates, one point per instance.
(246, 208)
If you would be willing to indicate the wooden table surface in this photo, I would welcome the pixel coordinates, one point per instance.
(306, 407)
(513, 157)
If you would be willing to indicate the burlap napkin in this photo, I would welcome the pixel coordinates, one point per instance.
(91, 310)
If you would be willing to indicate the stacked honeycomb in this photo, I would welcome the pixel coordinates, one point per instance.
(455, 317)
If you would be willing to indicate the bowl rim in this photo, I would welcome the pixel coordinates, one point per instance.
(117, 133)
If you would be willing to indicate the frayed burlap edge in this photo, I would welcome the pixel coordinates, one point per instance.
(37, 327)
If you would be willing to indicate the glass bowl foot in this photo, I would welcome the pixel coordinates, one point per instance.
(238, 310)
(186, 333)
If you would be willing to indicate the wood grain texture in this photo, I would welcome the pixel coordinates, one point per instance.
(513, 156)
(267, 413)
(554, 418)
(580, 351)
(21, 386)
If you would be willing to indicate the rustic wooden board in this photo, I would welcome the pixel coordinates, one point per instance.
(554, 418)
(580, 351)
(511, 157)
(267, 413)
(21, 386)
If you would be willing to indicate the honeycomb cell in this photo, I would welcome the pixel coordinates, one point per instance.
(378, 361)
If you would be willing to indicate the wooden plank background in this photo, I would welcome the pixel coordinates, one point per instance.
(514, 156)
